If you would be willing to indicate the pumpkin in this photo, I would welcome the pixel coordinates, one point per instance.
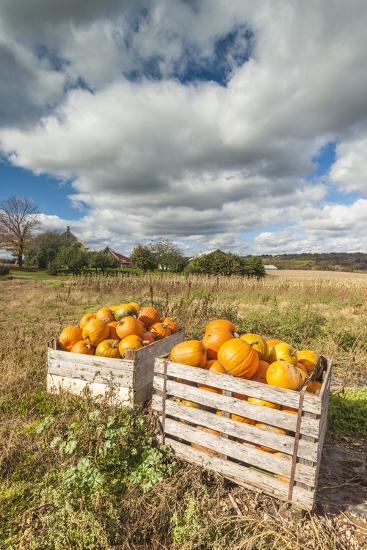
(113, 333)
(283, 375)
(268, 428)
(190, 352)
(124, 310)
(188, 403)
(213, 339)
(205, 449)
(82, 347)
(134, 305)
(286, 457)
(130, 342)
(285, 352)
(149, 316)
(210, 363)
(260, 374)
(243, 419)
(209, 388)
(147, 338)
(70, 336)
(112, 308)
(87, 317)
(308, 359)
(108, 348)
(262, 403)
(273, 342)
(216, 367)
(220, 323)
(128, 326)
(95, 331)
(314, 386)
(258, 343)
(288, 410)
(172, 324)
(105, 314)
(304, 374)
(160, 331)
(238, 358)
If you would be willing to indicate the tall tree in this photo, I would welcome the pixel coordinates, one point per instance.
(18, 218)
(143, 258)
(169, 256)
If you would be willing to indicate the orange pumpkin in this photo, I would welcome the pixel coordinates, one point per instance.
(160, 331)
(113, 333)
(205, 449)
(288, 410)
(190, 352)
(82, 347)
(268, 428)
(302, 371)
(262, 403)
(172, 324)
(130, 342)
(108, 348)
(95, 331)
(149, 316)
(147, 338)
(314, 386)
(70, 336)
(308, 359)
(238, 358)
(258, 343)
(105, 314)
(87, 317)
(124, 310)
(260, 374)
(216, 367)
(213, 339)
(128, 326)
(209, 388)
(188, 403)
(220, 323)
(243, 419)
(284, 352)
(273, 342)
(283, 375)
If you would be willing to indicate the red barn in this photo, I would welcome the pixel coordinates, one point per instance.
(124, 261)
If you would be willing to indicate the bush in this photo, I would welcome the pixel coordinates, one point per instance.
(4, 269)
(53, 268)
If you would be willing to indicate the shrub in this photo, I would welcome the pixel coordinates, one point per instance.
(4, 269)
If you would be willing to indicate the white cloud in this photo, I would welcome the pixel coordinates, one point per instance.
(199, 162)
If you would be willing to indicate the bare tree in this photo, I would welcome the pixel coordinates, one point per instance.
(18, 217)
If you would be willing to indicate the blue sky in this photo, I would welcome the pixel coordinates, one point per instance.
(216, 125)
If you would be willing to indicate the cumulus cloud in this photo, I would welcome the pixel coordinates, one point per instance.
(156, 143)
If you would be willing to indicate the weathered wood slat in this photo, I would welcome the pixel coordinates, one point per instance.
(243, 408)
(81, 359)
(279, 442)
(242, 475)
(326, 380)
(245, 453)
(247, 387)
(91, 373)
(57, 383)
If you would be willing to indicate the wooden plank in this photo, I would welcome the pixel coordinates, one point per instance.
(90, 373)
(144, 358)
(94, 360)
(245, 453)
(273, 417)
(250, 388)
(243, 475)
(279, 442)
(57, 383)
(327, 378)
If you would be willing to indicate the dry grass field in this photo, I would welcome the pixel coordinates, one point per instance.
(85, 475)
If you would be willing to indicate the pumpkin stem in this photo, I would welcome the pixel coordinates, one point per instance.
(254, 343)
(114, 344)
(236, 335)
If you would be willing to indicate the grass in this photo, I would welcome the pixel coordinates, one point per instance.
(75, 473)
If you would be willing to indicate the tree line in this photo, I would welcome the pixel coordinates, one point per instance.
(50, 250)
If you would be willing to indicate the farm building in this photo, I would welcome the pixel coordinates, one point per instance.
(124, 261)
(270, 266)
(70, 238)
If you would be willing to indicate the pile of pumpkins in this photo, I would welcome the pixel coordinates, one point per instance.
(252, 357)
(111, 331)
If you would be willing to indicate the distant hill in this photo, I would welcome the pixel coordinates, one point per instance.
(333, 261)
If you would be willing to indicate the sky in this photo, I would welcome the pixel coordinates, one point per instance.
(237, 125)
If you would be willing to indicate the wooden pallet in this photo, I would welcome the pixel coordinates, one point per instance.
(234, 452)
(132, 376)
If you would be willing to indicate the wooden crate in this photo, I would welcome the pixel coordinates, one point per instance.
(132, 377)
(243, 462)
